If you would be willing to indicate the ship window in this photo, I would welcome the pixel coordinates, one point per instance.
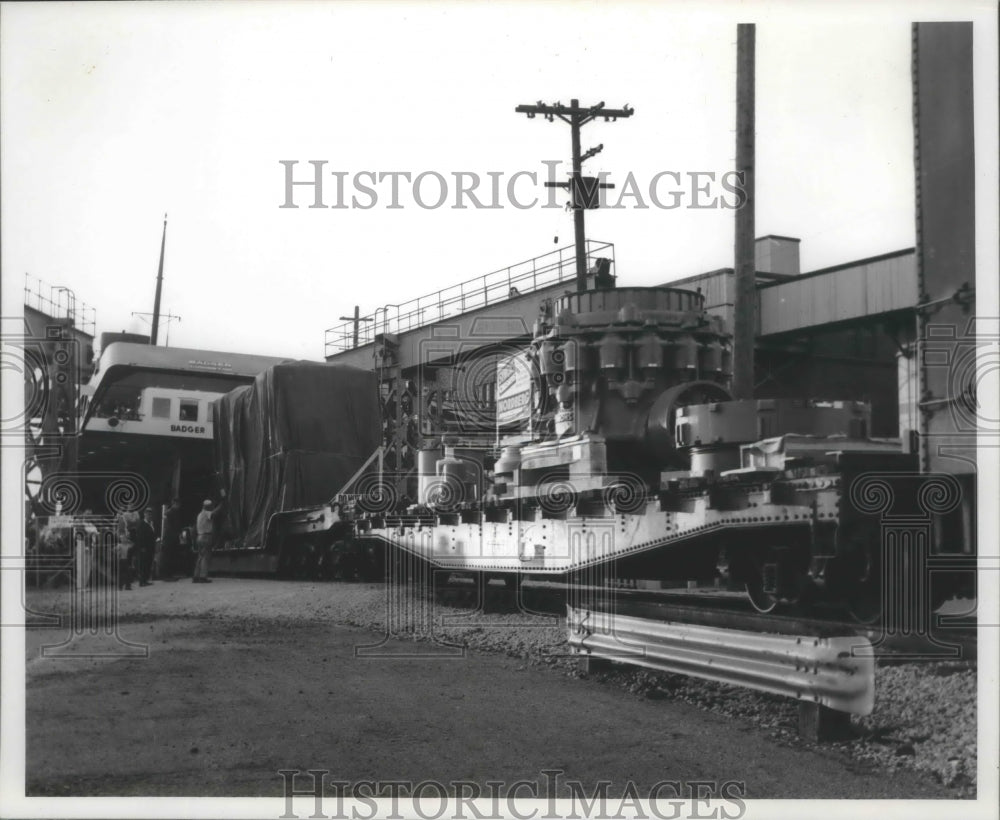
(189, 410)
(161, 408)
(121, 402)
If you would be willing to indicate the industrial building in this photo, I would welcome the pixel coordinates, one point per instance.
(832, 333)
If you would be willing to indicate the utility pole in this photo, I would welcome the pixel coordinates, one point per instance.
(159, 287)
(744, 313)
(357, 319)
(584, 190)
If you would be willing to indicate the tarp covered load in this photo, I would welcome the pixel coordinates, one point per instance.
(290, 440)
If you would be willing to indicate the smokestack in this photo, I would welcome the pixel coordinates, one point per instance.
(744, 314)
(159, 286)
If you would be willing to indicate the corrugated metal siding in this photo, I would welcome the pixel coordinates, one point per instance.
(849, 293)
(717, 289)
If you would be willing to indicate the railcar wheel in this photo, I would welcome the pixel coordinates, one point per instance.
(777, 579)
(323, 569)
(374, 563)
(863, 593)
(760, 600)
(898, 594)
(336, 564)
(303, 559)
(864, 604)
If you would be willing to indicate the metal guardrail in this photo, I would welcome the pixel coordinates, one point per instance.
(515, 280)
(838, 673)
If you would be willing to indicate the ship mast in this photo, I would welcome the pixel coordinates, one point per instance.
(159, 287)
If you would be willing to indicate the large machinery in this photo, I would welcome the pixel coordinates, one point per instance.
(631, 461)
(619, 454)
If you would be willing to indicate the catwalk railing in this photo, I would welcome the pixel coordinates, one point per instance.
(501, 285)
(60, 303)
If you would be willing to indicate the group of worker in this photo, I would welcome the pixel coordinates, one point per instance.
(143, 556)
(136, 547)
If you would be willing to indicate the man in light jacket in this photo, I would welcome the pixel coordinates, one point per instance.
(205, 527)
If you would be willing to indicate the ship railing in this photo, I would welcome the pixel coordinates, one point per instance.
(501, 285)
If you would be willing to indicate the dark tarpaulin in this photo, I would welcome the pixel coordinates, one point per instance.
(291, 440)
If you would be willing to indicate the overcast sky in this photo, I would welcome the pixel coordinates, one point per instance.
(114, 114)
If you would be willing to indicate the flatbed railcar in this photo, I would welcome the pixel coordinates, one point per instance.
(631, 460)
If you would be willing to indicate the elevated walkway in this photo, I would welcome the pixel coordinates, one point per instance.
(498, 306)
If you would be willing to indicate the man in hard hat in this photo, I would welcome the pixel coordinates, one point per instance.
(205, 527)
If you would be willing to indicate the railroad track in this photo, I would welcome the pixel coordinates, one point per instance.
(945, 641)
(705, 607)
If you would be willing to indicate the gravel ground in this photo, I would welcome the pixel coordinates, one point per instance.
(924, 717)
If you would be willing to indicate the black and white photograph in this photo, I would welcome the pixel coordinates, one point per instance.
(484, 410)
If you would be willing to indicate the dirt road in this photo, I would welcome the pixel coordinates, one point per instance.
(244, 678)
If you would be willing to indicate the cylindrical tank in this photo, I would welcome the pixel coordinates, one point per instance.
(612, 352)
(649, 351)
(715, 459)
(687, 353)
(550, 359)
(631, 344)
(456, 481)
(573, 353)
(710, 358)
(426, 471)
